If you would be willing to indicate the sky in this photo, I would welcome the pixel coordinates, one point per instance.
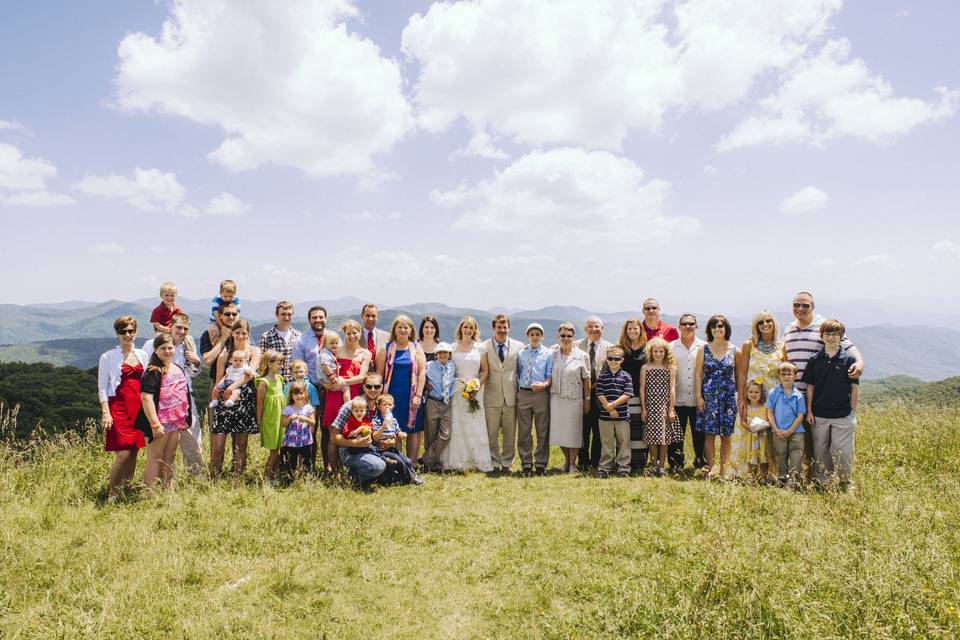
(515, 153)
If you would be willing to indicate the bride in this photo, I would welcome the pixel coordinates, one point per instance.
(469, 446)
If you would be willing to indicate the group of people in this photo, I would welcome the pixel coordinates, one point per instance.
(388, 405)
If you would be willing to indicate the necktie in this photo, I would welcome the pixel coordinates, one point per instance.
(370, 346)
(593, 362)
(446, 382)
(500, 351)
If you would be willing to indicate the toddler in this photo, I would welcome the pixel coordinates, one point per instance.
(162, 315)
(357, 425)
(228, 293)
(298, 421)
(237, 374)
(327, 362)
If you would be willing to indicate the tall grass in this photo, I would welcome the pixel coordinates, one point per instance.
(470, 556)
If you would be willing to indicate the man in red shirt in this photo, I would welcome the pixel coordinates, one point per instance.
(653, 327)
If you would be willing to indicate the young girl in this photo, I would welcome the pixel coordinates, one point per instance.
(748, 453)
(237, 375)
(658, 378)
(270, 403)
(298, 421)
(327, 362)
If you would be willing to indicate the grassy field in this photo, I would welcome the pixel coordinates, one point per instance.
(476, 557)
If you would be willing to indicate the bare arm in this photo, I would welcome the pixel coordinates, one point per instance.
(810, 418)
(146, 400)
(856, 369)
(421, 378)
(671, 411)
(211, 357)
(698, 379)
(261, 394)
(642, 394)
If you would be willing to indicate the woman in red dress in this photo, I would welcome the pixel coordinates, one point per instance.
(353, 362)
(118, 382)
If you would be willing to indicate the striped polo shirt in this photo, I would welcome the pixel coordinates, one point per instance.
(803, 344)
(611, 386)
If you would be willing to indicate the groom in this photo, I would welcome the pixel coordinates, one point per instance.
(500, 394)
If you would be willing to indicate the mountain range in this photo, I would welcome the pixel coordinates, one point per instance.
(76, 333)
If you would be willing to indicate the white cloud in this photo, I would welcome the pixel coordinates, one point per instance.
(25, 180)
(569, 71)
(482, 145)
(902, 13)
(804, 201)
(155, 191)
(712, 171)
(108, 248)
(13, 125)
(946, 251)
(875, 260)
(568, 197)
(365, 216)
(287, 81)
(831, 95)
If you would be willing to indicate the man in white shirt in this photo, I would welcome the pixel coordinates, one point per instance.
(685, 350)
(595, 347)
(191, 440)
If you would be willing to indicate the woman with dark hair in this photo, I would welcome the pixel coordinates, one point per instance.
(165, 411)
(118, 385)
(716, 388)
(429, 337)
(633, 339)
(240, 420)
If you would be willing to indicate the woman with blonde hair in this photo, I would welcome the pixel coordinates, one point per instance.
(469, 446)
(353, 363)
(403, 366)
(633, 339)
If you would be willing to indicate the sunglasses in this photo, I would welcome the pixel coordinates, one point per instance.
(720, 325)
(688, 324)
(233, 314)
(802, 305)
(125, 332)
(765, 321)
(566, 335)
(614, 358)
(373, 386)
(650, 308)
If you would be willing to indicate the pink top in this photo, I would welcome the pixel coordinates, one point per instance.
(174, 402)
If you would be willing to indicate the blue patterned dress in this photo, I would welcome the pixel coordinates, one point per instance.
(719, 395)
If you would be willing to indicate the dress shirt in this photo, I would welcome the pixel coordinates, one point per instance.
(686, 371)
(440, 379)
(534, 365)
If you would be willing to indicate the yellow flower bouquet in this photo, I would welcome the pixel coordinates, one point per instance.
(470, 391)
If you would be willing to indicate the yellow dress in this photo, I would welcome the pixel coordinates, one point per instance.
(747, 448)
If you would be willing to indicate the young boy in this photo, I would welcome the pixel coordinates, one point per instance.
(439, 409)
(785, 411)
(614, 390)
(162, 315)
(228, 293)
(832, 401)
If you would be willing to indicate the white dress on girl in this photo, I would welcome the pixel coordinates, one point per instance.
(469, 446)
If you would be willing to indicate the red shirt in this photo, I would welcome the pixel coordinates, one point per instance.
(163, 315)
(666, 331)
(353, 424)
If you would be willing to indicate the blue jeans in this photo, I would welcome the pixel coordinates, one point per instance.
(363, 464)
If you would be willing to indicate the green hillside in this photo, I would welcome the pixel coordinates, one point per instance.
(886, 389)
(911, 391)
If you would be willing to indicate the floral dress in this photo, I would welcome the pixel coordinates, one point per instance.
(719, 392)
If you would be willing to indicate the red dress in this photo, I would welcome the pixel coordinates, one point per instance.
(124, 405)
(346, 368)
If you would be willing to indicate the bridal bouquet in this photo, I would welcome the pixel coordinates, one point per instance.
(470, 391)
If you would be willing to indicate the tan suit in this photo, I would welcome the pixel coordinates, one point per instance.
(500, 401)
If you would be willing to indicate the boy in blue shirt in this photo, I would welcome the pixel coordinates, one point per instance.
(832, 401)
(785, 413)
(438, 414)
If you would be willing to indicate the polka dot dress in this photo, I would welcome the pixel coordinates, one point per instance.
(658, 428)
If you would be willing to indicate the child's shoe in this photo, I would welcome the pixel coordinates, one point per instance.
(213, 403)
(229, 402)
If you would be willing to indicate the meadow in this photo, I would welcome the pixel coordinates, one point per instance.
(467, 556)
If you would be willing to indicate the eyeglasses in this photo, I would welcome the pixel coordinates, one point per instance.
(688, 324)
(566, 335)
(650, 308)
(838, 334)
(614, 358)
(802, 305)
(372, 386)
(765, 321)
(720, 325)
(125, 332)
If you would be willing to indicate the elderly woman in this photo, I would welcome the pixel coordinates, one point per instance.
(165, 410)
(716, 388)
(240, 420)
(760, 358)
(118, 384)
(633, 339)
(569, 396)
(403, 366)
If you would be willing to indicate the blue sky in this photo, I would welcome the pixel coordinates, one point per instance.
(486, 153)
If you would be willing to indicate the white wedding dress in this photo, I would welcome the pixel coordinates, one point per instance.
(469, 447)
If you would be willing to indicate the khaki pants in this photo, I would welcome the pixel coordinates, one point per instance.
(436, 426)
(615, 445)
(833, 448)
(501, 419)
(533, 409)
(191, 446)
(789, 456)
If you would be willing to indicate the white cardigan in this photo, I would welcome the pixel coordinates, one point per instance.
(108, 371)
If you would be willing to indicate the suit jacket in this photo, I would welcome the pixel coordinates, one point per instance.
(501, 388)
(380, 339)
(601, 361)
